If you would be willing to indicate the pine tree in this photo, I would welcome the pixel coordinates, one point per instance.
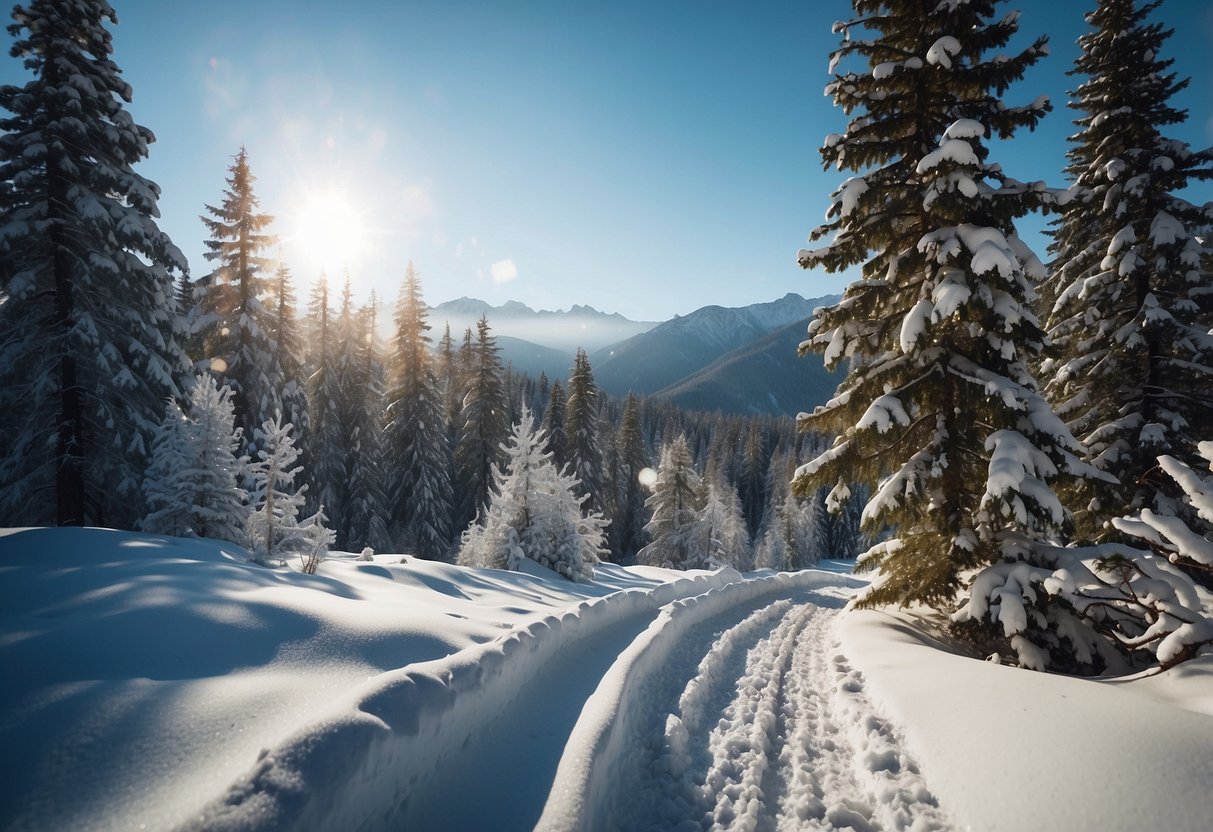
(327, 440)
(728, 540)
(235, 325)
(272, 528)
(753, 478)
(535, 512)
(553, 427)
(88, 351)
(291, 397)
(193, 480)
(678, 536)
(938, 331)
(483, 425)
(633, 458)
(1132, 313)
(366, 507)
(165, 486)
(581, 429)
(418, 443)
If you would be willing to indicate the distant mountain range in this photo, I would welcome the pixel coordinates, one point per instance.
(738, 360)
(580, 326)
(764, 376)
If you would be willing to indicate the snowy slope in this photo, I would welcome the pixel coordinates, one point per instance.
(764, 376)
(162, 683)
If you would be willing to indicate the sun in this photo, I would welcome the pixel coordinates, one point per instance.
(329, 231)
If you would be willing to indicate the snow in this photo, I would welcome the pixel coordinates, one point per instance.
(1053, 752)
(942, 51)
(156, 682)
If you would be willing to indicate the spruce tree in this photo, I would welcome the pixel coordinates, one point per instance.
(88, 347)
(677, 533)
(633, 457)
(553, 427)
(272, 528)
(939, 407)
(535, 512)
(483, 425)
(1133, 313)
(419, 448)
(234, 321)
(366, 509)
(193, 481)
(291, 397)
(581, 429)
(326, 443)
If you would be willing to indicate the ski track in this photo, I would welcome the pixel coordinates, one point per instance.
(774, 732)
(472, 790)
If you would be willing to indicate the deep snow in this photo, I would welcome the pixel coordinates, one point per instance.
(161, 683)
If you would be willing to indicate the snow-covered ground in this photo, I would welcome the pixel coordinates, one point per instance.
(162, 683)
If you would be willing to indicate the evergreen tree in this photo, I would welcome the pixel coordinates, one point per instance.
(535, 512)
(677, 534)
(327, 443)
(1133, 313)
(364, 405)
(553, 427)
(193, 480)
(939, 400)
(272, 528)
(234, 322)
(88, 349)
(419, 446)
(166, 488)
(753, 478)
(581, 430)
(288, 369)
(633, 458)
(483, 425)
(729, 542)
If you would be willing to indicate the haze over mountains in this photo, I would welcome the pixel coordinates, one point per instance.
(738, 360)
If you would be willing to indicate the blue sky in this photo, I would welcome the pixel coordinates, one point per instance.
(646, 158)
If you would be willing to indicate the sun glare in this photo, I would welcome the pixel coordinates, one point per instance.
(329, 231)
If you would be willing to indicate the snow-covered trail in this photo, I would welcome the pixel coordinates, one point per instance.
(499, 776)
(744, 717)
(712, 702)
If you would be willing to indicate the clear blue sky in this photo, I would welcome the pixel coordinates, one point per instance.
(646, 158)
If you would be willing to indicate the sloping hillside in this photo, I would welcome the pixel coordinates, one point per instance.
(765, 376)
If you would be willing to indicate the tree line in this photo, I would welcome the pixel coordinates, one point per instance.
(135, 395)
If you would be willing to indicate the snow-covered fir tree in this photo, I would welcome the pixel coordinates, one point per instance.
(677, 533)
(365, 515)
(728, 538)
(419, 449)
(273, 529)
(1132, 313)
(535, 512)
(483, 425)
(193, 481)
(789, 537)
(288, 369)
(939, 407)
(581, 430)
(168, 495)
(233, 319)
(88, 348)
